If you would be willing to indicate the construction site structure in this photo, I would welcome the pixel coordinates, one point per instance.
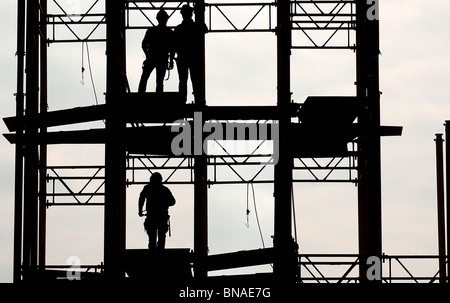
(344, 129)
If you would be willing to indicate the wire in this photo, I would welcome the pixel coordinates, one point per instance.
(256, 212)
(82, 63)
(293, 214)
(168, 75)
(89, 66)
(247, 212)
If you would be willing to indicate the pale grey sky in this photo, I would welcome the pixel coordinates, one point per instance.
(414, 77)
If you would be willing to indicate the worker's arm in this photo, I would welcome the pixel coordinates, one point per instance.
(170, 198)
(146, 41)
(141, 203)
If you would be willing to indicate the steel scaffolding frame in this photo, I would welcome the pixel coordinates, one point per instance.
(343, 266)
(342, 20)
(91, 177)
(307, 18)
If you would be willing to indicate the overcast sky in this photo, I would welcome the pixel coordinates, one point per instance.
(241, 69)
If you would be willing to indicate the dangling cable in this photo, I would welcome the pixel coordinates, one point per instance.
(169, 68)
(247, 212)
(293, 214)
(168, 75)
(82, 63)
(89, 66)
(256, 212)
(90, 72)
(257, 217)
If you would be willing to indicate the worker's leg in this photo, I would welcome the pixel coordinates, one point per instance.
(161, 239)
(182, 77)
(151, 232)
(163, 227)
(152, 239)
(147, 68)
(196, 78)
(160, 74)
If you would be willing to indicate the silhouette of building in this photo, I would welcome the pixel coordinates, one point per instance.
(326, 128)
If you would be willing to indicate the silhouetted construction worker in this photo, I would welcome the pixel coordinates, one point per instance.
(158, 48)
(159, 199)
(189, 48)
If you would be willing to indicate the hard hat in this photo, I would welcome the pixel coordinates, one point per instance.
(186, 9)
(162, 15)
(156, 178)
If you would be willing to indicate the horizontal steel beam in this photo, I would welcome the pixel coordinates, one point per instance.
(148, 108)
(234, 182)
(59, 117)
(298, 133)
(240, 259)
(151, 108)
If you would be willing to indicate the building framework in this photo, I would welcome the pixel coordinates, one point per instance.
(349, 151)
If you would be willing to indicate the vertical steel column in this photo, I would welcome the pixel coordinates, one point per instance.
(369, 146)
(447, 180)
(199, 9)
(43, 130)
(30, 236)
(285, 261)
(440, 206)
(200, 171)
(115, 163)
(18, 207)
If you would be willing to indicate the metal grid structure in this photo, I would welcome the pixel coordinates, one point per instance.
(313, 24)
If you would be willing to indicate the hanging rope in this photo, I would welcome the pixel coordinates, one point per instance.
(256, 212)
(293, 214)
(168, 75)
(89, 66)
(247, 212)
(82, 63)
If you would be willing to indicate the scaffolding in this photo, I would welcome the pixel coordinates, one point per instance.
(318, 139)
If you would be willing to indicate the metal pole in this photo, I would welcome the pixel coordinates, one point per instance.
(369, 145)
(18, 207)
(30, 236)
(285, 262)
(115, 155)
(200, 171)
(200, 18)
(43, 146)
(447, 178)
(440, 206)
